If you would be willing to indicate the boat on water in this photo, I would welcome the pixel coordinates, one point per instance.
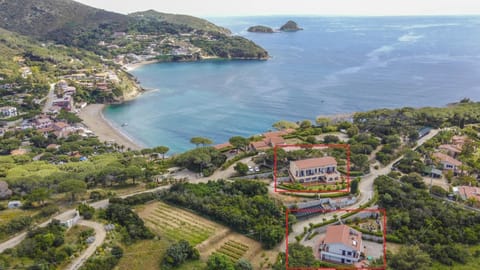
(124, 124)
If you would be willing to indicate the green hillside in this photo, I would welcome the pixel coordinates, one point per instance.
(181, 20)
(74, 24)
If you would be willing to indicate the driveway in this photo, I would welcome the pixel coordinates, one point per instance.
(100, 235)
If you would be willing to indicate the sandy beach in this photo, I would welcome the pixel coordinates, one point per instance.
(93, 118)
(131, 67)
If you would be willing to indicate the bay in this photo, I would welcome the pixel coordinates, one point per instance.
(335, 65)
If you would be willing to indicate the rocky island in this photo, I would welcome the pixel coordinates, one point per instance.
(290, 26)
(260, 29)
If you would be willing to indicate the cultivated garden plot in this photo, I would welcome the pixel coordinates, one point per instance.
(177, 224)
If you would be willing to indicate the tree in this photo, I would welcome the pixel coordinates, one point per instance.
(414, 179)
(410, 257)
(283, 124)
(39, 195)
(200, 140)
(178, 253)
(305, 124)
(161, 150)
(241, 168)
(133, 172)
(243, 264)
(360, 162)
(352, 131)
(331, 139)
(354, 185)
(73, 186)
(239, 142)
(86, 211)
(323, 121)
(218, 261)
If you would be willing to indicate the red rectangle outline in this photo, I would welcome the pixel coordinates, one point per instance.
(379, 210)
(346, 146)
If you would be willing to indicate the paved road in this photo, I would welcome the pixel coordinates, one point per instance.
(100, 235)
(50, 97)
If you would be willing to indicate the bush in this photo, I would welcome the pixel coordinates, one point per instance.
(86, 211)
(178, 253)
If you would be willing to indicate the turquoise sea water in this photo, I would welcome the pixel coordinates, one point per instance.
(335, 65)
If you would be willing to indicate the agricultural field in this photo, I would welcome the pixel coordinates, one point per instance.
(172, 224)
(177, 224)
(236, 246)
(233, 250)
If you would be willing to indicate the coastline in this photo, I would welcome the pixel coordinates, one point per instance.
(93, 118)
(131, 67)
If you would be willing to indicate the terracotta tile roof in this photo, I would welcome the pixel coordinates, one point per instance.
(469, 192)
(459, 140)
(222, 145)
(60, 125)
(18, 152)
(345, 235)
(315, 162)
(276, 140)
(260, 145)
(450, 147)
(446, 159)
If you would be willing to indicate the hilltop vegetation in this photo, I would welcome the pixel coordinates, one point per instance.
(74, 24)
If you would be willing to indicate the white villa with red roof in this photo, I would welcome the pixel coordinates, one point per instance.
(323, 169)
(448, 162)
(341, 244)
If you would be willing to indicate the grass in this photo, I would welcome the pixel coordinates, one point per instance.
(145, 254)
(8, 214)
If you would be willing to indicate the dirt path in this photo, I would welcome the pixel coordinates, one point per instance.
(100, 235)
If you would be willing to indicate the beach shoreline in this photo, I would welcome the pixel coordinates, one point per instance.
(93, 118)
(133, 66)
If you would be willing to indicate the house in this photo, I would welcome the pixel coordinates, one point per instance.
(459, 140)
(341, 244)
(423, 132)
(14, 204)
(42, 122)
(448, 162)
(18, 152)
(323, 169)
(467, 192)
(8, 111)
(59, 126)
(259, 146)
(65, 102)
(450, 149)
(270, 139)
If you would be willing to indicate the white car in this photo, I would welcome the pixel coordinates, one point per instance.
(257, 169)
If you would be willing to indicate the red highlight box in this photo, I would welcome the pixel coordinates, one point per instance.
(381, 211)
(306, 146)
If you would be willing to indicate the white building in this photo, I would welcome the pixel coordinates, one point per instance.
(322, 169)
(342, 244)
(8, 111)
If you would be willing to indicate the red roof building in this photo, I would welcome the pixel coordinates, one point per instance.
(341, 244)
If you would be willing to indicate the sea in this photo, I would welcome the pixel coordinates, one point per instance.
(335, 65)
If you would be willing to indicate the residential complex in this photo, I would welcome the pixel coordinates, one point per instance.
(323, 169)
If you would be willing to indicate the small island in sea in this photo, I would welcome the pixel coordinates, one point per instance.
(260, 29)
(290, 26)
